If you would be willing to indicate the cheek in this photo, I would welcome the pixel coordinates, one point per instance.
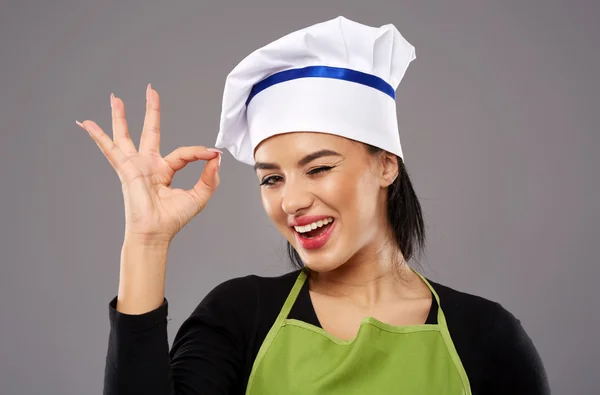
(267, 202)
(271, 201)
(356, 200)
(350, 192)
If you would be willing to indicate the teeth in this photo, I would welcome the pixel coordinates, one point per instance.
(314, 225)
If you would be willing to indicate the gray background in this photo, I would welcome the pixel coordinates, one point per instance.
(499, 125)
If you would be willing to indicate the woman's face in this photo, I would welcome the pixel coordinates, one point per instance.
(309, 179)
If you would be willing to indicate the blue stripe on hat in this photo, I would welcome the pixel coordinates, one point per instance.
(324, 72)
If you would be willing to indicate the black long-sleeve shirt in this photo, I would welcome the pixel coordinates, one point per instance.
(214, 349)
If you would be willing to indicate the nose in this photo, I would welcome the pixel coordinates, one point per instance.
(295, 198)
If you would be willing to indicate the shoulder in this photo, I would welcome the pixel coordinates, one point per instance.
(485, 319)
(236, 307)
(247, 292)
(490, 338)
(465, 307)
(475, 312)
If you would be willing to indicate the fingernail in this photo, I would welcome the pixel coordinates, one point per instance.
(219, 164)
(81, 125)
(148, 88)
(214, 150)
(112, 98)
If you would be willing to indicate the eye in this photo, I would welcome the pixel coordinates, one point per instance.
(268, 181)
(321, 169)
(272, 180)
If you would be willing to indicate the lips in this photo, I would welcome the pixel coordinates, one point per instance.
(317, 231)
(307, 219)
(319, 240)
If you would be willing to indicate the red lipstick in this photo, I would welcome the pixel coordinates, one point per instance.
(306, 219)
(313, 242)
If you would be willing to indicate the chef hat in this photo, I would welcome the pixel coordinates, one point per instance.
(337, 77)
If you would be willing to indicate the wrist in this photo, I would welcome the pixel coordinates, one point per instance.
(147, 241)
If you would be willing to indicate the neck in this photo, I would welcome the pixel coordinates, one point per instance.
(370, 278)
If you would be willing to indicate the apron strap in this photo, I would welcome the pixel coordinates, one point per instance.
(435, 295)
(445, 332)
(283, 314)
(292, 296)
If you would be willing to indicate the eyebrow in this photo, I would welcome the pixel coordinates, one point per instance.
(302, 162)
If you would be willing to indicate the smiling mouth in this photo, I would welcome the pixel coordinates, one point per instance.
(315, 229)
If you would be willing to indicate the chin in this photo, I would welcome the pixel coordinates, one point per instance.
(322, 262)
(320, 267)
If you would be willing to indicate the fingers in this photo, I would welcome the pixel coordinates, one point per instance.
(119, 125)
(150, 140)
(209, 180)
(109, 148)
(180, 157)
(207, 184)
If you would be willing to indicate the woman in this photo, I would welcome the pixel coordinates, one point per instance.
(314, 113)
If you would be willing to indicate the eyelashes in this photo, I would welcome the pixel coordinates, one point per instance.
(318, 170)
(271, 180)
(268, 180)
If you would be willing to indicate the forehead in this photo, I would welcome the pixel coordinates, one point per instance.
(297, 144)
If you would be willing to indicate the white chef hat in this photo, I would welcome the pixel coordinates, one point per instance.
(337, 77)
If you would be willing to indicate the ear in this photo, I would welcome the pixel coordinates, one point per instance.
(389, 168)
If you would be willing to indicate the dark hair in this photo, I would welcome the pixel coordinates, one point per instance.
(404, 214)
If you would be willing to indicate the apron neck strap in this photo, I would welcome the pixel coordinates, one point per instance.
(435, 295)
(440, 314)
(292, 296)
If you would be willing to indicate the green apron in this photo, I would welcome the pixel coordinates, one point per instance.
(300, 358)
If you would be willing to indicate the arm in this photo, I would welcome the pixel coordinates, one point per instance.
(515, 366)
(208, 351)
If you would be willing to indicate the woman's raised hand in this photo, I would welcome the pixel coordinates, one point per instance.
(154, 211)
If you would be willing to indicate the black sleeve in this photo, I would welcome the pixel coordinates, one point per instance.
(208, 351)
(515, 365)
